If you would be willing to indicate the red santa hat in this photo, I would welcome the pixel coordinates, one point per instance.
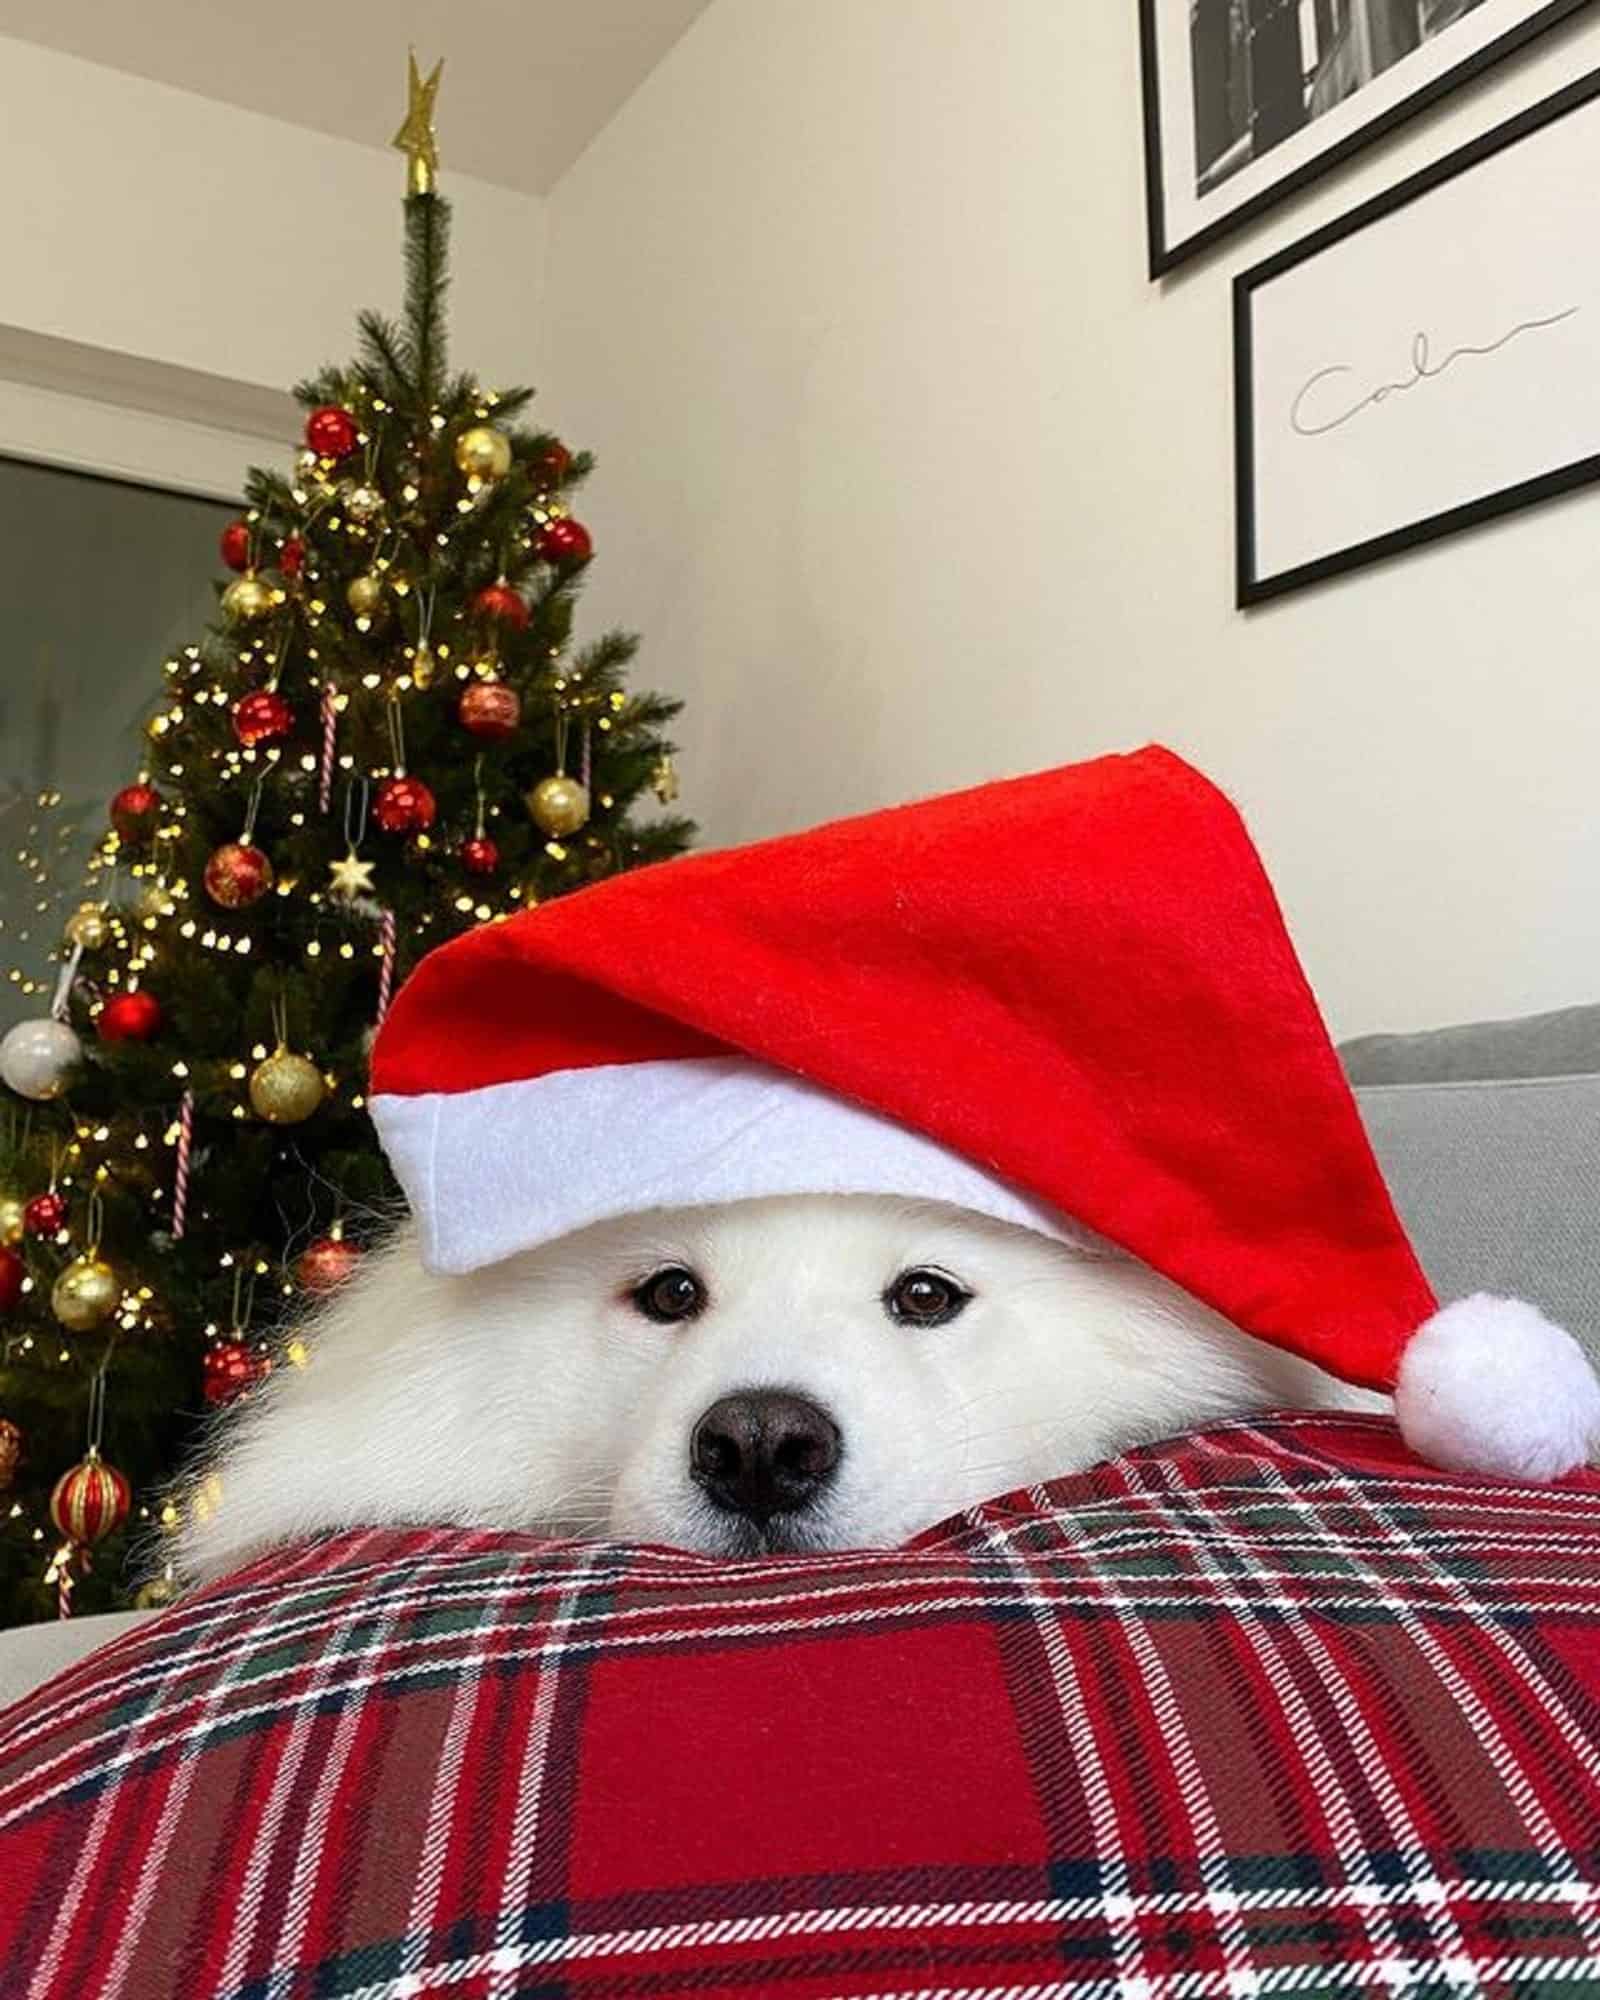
(1067, 1001)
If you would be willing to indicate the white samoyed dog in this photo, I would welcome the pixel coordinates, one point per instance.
(778, 1375)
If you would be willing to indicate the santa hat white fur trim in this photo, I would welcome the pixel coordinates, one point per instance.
(1490, 1385)
(503, 1168)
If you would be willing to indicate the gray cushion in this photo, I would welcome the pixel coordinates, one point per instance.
(30, 1654)
(1499, 1184)
(1566, 1043)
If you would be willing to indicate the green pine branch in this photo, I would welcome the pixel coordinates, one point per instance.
(386, 353)
(427, 282)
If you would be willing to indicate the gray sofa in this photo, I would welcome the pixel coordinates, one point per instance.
(1490, 1138)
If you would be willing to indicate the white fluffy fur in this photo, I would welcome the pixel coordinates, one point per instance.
(533, 1394)
(1490, 1385)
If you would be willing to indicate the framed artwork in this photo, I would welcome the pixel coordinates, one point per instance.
(1426, 362)
(1247, 100)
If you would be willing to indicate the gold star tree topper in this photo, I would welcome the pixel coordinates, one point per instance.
(415, 138)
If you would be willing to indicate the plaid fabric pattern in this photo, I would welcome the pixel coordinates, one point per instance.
(1265, 1710)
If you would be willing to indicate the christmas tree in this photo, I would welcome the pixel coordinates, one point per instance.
(386, 737)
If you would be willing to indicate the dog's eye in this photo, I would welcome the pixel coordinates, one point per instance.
(672, 1293)
(925, 1298)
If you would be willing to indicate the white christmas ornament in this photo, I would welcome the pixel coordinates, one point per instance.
(37, 1057)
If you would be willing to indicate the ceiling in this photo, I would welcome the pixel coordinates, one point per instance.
(527, 83)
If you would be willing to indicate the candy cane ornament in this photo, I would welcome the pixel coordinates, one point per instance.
(386, 937)
(180, 1184)
(330, 737)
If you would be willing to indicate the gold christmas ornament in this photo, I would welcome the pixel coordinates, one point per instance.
(364, 594)
(152, 1596)
(424, 667)
(86, 1294)
(11, 1223)
(483, 452)
(664, 780)
(363, 503)
(247, 599)
(558, 805)
(89, 927)
(416, 137)
(286, 1088)
(152, 900)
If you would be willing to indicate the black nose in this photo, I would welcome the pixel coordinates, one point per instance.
(763, 1452)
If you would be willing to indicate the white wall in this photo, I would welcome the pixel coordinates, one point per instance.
(910, 479)
(180, 238)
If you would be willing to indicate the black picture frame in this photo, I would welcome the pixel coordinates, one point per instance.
(1166, 257)
(1250, 587)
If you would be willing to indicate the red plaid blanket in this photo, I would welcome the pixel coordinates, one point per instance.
(1267, 1710)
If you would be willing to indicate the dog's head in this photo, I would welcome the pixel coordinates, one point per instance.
(791, 1374)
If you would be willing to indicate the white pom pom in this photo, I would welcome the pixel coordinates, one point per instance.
(1490, 1385)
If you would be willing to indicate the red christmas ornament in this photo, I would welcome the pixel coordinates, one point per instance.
(332, 432)
(262, 717)
(490, 710)
(501, 603)
(404, 805)
(324, 1265)
(564, 541)
(12, 1273)
(480, 856)
(11, 1443)
(553, 464)
(134, 811)
(46, 1214)
(237, 875)
(130, 1017)
(292, 557)
(229, 1368)
(236, 545)
(90, 1501)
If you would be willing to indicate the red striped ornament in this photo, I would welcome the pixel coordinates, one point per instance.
(90, 1501)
